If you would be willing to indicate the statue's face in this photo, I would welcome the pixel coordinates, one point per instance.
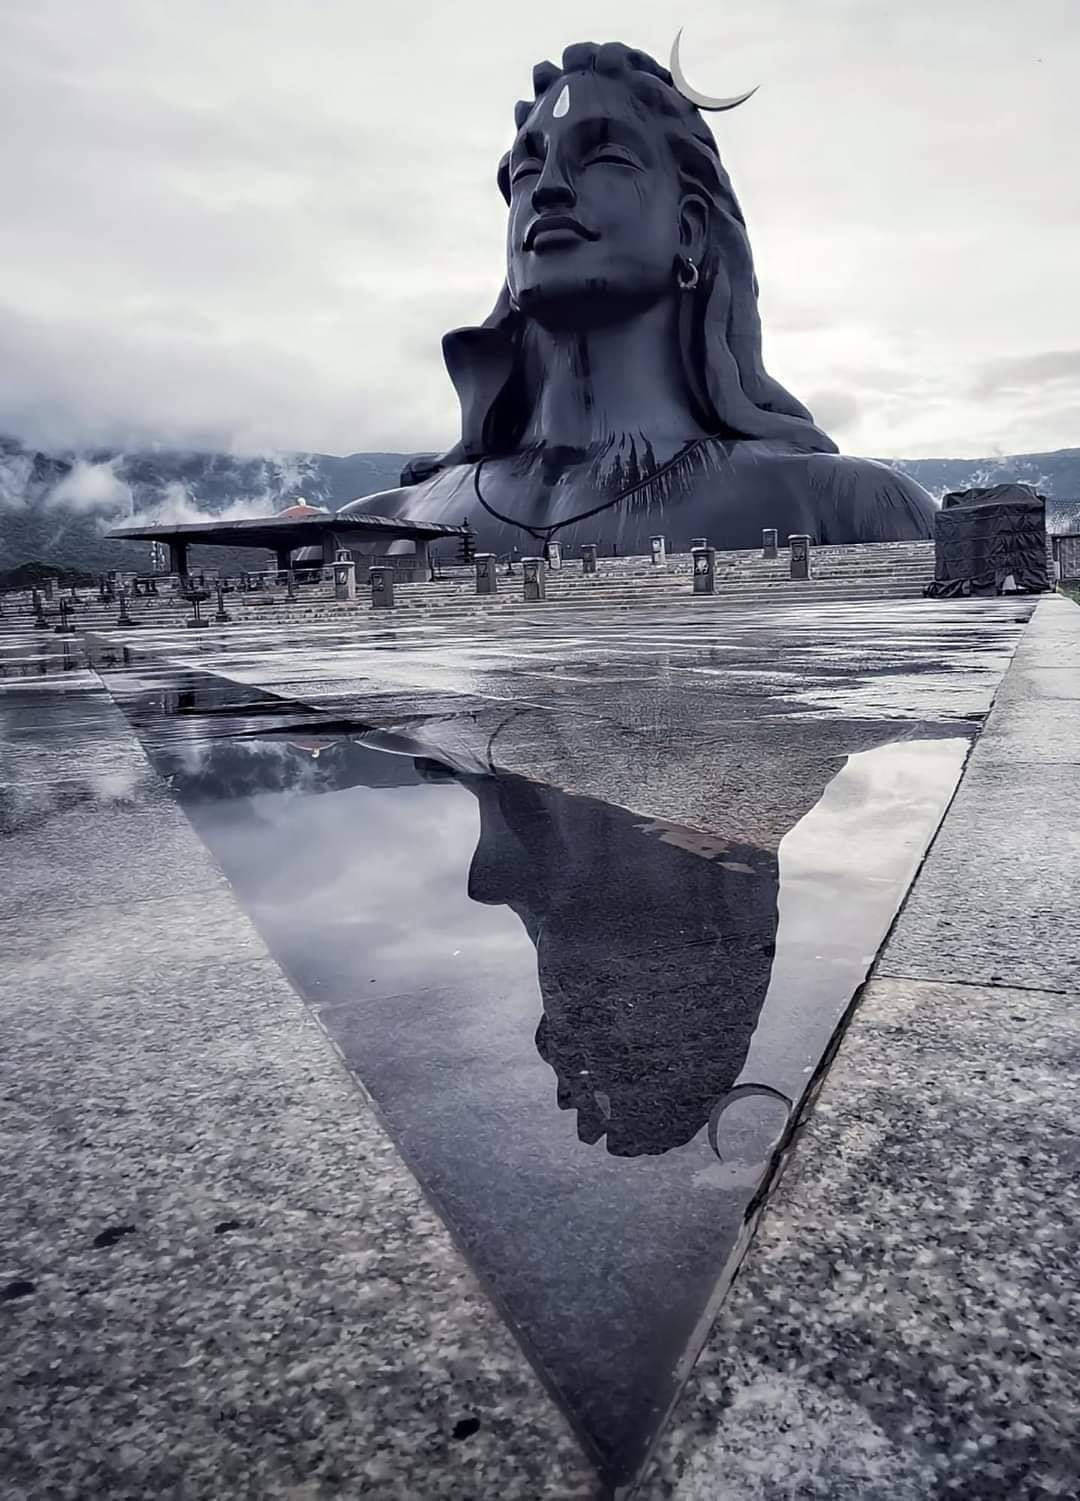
(594, 205)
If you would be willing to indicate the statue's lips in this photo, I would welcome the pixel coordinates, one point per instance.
(553, 229)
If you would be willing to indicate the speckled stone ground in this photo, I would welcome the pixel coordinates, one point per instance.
(217, 1278)
(904, 1324)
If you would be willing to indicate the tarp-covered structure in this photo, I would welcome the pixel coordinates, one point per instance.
(989, 540)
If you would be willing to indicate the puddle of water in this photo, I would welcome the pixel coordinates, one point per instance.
(586, 1031)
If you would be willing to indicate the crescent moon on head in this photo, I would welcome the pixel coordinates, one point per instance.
(703, 101)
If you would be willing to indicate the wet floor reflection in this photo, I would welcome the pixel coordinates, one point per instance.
(584, 1028)
(653, 955)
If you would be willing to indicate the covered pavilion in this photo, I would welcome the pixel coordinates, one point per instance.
(318, 531)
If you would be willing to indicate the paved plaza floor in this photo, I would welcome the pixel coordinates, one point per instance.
(440, 1059)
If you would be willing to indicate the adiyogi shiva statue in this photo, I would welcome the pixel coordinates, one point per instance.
(617, 389)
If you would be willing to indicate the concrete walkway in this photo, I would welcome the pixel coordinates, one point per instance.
(905, 1322)
(219, 1279)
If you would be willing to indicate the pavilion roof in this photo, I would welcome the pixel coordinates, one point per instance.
(284, 530)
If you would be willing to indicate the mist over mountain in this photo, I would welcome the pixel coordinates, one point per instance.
(57, 507)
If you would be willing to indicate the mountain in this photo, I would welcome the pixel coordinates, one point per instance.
(1055, 475)
(57, 507)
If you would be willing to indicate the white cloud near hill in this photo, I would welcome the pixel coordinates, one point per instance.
(248, 226)
(91, 487)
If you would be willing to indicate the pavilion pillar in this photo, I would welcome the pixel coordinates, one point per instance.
(178, 558)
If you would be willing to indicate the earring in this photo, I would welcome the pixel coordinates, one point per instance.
(687, 279)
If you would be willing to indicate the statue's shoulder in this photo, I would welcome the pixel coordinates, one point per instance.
(381, 503)
(437, 496)
(842, 498)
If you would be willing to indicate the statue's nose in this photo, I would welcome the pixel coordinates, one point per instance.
(552, 189)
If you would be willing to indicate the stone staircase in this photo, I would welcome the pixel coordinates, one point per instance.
(868, 571)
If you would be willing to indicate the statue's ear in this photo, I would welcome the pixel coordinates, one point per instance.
(694, 225)
(480, 362)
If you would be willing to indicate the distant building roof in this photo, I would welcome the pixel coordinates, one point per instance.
(300, 510)
(285, 530)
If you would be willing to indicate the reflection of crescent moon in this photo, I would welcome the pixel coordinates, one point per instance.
(702, 101)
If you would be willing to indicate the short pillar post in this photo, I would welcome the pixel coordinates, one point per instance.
(49, 590)
(344, 571)
(535, 584)
(381, 579)
(658, 548)
(221, 615)
(553, 554)
(124, 618)
(40, 622)
(704, 569)
(290, 592)
(486, 576)
(799, 543)
(588, 558)
(65, 628)
(768, 542)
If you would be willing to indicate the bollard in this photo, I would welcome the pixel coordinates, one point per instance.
(659, 552)
(124, 619)
(768, 542)
(486, 577)
(535, 584)
(290, 592)
(588, 558)
(800, 555)
(221, 615)
(65, 628)
(40, 623)
(381, 580)
(344, 572)
(704, 569)
(553, 554)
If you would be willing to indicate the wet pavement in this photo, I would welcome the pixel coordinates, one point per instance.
(581, 905)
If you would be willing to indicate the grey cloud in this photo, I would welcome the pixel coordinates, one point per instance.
(835, 411)
(1023, 372)
(248, 226)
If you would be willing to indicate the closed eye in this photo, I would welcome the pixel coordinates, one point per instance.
(613, 155)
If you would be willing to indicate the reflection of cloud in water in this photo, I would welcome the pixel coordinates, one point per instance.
(374, 877)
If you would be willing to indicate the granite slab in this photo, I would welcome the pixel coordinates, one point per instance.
(904, 1323)
(218, 1276)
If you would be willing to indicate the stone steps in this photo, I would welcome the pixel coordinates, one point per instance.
(876, 570)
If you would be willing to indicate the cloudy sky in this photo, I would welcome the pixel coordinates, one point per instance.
(246, 224)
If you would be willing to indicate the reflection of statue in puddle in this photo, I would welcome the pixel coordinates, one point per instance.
(655, 943)
(654, 950)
